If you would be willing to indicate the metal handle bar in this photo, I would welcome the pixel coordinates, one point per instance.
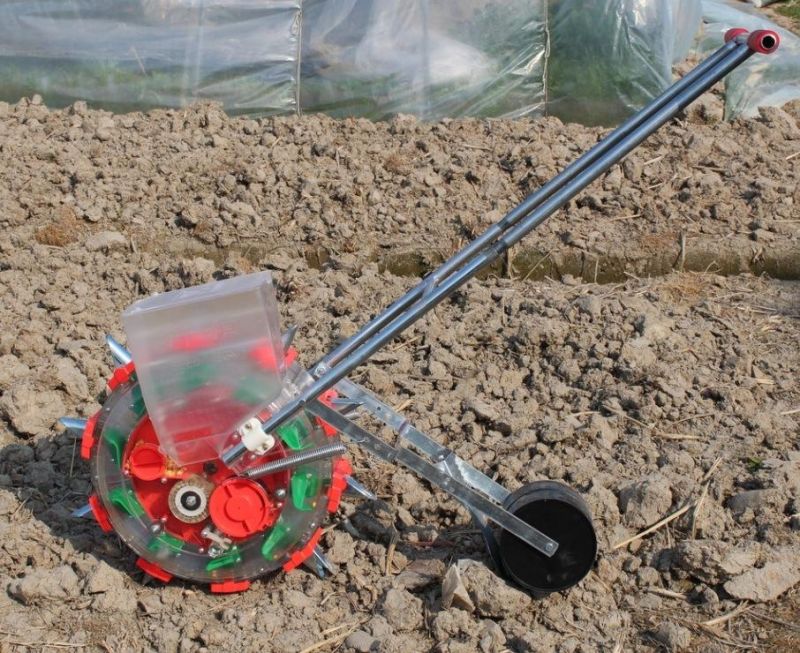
(521, 210)
(762, 41)
(758, 42)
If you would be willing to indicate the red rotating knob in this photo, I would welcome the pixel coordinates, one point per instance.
(240, 507)
(147, 463)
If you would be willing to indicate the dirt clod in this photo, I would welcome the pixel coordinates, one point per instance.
(646, 501)
(402, 610)
(41, 586)
(673, 636)
(768, 582)
(492, 595)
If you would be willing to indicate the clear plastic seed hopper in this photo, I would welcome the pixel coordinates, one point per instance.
(216, 457)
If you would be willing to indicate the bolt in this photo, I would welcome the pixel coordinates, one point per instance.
(280, 493)
(190, 501)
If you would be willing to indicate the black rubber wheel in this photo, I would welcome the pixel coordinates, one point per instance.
(561, 513)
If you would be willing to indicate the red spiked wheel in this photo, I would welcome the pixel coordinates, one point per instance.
(204, 521)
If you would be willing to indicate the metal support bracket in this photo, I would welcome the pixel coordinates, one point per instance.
(459, 490)
(444, 458)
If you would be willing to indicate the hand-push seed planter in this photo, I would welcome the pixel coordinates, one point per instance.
(217, 457)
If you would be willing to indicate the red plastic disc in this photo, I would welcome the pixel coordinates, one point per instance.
(240, 508)
(146, 462)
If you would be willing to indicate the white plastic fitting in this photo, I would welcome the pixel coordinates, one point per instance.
(254, 438)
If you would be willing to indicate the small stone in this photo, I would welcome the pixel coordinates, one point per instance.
(654, 328)
(106, 241)
(768, 582)
(378, 627)
(452, 623)
(637, 355)
(754, 500)
(402, 610)
(360, 641)
(341, 549)
(104, 578)
(491, 638)
(105, 128)
(250, 127)
(40, 586)
(493, 597)
(31, 411)
(713, 561)
(8, 502)
(645, 501)
(71, 378)
(454, 593)
(212, 120)
(12, 370)
(647, 577)
(590, 305)
(40, 475)
(419, 574)
(673, 636)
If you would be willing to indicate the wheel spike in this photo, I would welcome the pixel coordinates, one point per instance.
(73, 424)
(319, 564)
(346, 406)
(121, 355)
(83, 511)
(357, 489)
(288, 337)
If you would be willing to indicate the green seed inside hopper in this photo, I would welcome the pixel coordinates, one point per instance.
(196, 375)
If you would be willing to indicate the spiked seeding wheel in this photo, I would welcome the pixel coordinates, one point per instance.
(217, 457)
(205, 521)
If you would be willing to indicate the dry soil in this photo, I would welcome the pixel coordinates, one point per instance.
(627, 349)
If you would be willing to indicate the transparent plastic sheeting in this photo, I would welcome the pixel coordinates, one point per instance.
(593, 62)
(610, 57)
(761, 81)
(138, 54)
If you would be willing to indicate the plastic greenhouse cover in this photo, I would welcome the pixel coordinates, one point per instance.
(610, 57)
(757, 82)
(591, 62)
(126, 55)
(432, 58)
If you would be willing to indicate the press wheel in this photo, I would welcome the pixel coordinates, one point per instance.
(561, 513)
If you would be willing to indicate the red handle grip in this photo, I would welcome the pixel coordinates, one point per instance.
(763, 41)
(734, 32)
